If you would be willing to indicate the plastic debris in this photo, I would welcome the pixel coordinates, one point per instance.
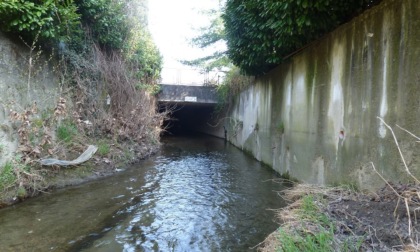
(85, 156)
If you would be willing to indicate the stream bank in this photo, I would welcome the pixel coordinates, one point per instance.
(344, 219)
(99, 166)
(55, 106)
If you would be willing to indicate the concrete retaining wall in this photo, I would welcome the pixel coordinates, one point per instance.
(315, 117)
(19, 91)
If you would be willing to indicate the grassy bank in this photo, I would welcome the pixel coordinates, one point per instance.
(342, 219)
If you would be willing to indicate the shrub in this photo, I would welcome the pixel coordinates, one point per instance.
(106, 20)
(52, 20)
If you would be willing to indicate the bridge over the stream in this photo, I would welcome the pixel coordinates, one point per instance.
(192, 107)
(191, 96)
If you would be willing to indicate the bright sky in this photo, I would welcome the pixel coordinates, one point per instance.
(172, 23)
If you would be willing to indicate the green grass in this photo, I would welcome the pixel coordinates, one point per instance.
(314, 231)
(301, 240)
(321, 241)
(310, 211)
(7, 176)
(128, 156)
(66, 132)
(103, 148)
(84, 170)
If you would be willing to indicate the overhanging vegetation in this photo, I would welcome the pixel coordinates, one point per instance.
(260, 34)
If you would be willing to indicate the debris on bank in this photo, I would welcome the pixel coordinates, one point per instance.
(342, 219)
(85, 156)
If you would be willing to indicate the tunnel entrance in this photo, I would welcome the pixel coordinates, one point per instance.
(191, 109)
(187, 118)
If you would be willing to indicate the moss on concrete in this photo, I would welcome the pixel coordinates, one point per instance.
(328, 97)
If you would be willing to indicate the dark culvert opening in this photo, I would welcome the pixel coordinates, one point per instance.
(187, 118)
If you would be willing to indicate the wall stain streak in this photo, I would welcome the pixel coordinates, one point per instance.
(327, 99)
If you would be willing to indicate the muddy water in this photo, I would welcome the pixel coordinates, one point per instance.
(198, 194)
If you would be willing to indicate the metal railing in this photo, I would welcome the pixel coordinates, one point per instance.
(184, 76)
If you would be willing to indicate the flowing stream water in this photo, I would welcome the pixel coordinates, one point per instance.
(197, 194)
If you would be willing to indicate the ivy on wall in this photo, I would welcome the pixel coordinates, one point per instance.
(260, 33)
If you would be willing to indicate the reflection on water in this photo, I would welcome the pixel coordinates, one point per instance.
(198, 194)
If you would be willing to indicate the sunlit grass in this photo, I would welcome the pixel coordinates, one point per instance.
(307, 224)
(300, 240)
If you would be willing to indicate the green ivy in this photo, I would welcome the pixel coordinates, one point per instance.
(50, 20)
(260, 33)
(106, 20)
(117, 26)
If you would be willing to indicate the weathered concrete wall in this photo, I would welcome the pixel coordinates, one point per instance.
(18, 91)
(315, 117)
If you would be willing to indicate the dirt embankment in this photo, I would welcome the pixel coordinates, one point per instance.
(386, 219)
(119, 141)
(98, 102)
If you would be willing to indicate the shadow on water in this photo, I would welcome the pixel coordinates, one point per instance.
(198, 194)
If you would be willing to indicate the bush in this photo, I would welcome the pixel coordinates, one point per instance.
(106, 20)
(232, 85)
(260, 34)
(52, 20)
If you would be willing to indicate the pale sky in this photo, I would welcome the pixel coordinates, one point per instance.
(172, 23)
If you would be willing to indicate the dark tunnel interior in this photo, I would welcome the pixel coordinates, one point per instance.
(186, 118)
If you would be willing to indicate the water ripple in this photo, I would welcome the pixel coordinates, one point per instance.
(198, 195)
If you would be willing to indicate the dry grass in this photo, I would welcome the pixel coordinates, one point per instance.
(301, 223)
(132, 113)
(410, 197)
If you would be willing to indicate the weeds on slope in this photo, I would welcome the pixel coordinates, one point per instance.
(97, 99)
(306, 223)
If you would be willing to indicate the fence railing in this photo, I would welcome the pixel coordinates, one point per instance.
(178, 76)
